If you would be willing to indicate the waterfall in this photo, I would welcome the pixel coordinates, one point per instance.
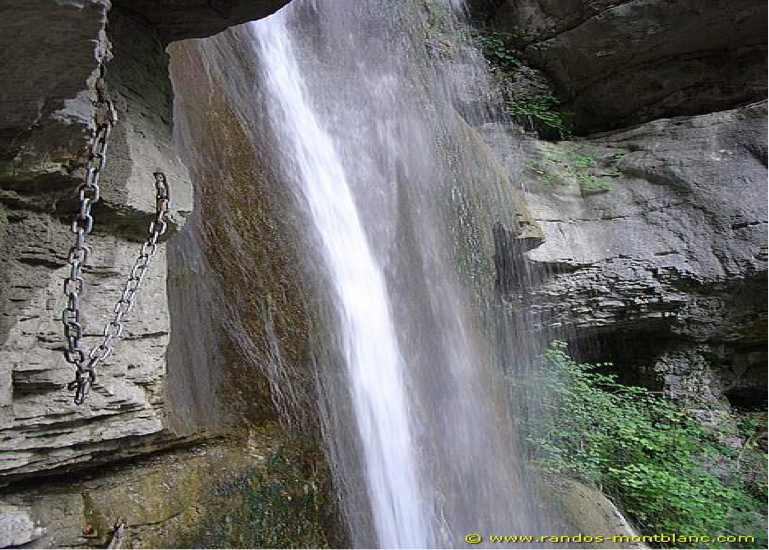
(371, 354)
(346, 129)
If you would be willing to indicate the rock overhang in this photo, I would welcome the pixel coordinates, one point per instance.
(181, 19)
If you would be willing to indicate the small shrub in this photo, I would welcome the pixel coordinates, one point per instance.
(543, 109)
(498, 50)
(641, 450)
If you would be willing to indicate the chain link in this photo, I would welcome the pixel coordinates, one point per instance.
(88, 194)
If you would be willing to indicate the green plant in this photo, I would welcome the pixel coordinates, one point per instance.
(641, 450)
(498, 50)
(583, 161)
(590, 184)
(505, 62)
(577, 162)
(543, 109)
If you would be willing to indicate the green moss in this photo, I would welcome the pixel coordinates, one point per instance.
(575, 163)
(590, 184)
(506, 63)
(273, 504)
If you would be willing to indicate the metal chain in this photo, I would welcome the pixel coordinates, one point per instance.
(88, 195)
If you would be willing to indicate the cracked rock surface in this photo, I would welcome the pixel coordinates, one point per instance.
(684, 216)
(46, 119)
(655, 244)
(41, 430)
(621, 62)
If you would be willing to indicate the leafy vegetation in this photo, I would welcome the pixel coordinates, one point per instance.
(505, 63)
(542, 108)
(563, 163)
(498, 49)
(648, 454)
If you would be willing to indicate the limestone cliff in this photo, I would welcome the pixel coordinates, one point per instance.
(655, 233)
(654, 249)
(52, 56)
(621, 62)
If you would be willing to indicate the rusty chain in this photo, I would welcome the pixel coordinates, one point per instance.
(88, 194)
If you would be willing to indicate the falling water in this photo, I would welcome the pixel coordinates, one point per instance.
(373, 360)
(360, 108)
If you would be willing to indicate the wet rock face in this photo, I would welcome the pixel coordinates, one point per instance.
(655, 247)
(630, 61)
(253, 490)
(52, 53)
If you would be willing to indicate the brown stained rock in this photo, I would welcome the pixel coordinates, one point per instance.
(259, 264)
(257, 489)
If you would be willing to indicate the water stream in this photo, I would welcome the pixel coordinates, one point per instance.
(375, 368)
(362, 110)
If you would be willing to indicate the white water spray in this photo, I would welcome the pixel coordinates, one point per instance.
(374, 363)
(368, 224)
